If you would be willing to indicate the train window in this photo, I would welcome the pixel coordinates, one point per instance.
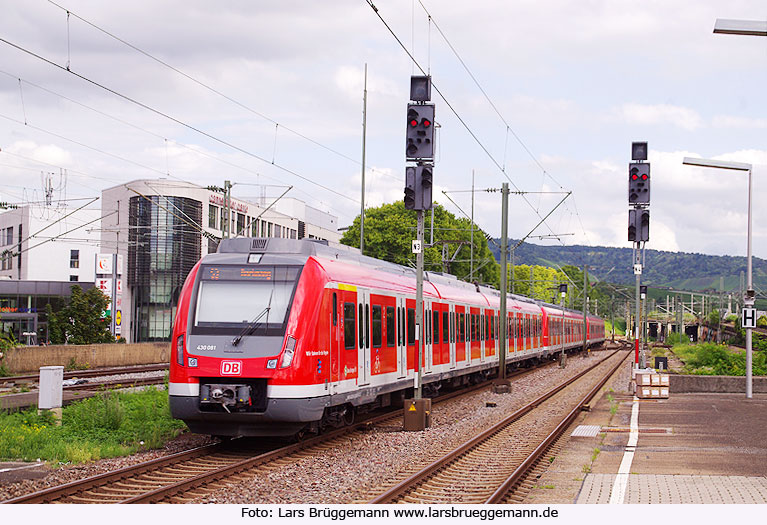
(361, 329)
(367, 326)
(377, 332)
(435, 327)
(411, 326)
(453, 317)
(461, 329)
(491, 322)
(482, 327)
(472, 331)
(445, 327)
(390, 326)
(401, 326)
(349, 323)
(335, 309)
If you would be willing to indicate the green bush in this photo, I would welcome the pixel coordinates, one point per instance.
(109, 425)
(677, 338)
(713, 359)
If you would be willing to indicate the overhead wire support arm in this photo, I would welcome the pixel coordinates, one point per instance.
(265, 210)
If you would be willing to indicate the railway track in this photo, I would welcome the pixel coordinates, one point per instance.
(98, 372)
(186, 476)
(14, 400)
(490, 467)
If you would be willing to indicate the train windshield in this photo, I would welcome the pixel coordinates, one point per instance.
(230, 298)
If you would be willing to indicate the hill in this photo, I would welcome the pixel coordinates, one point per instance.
(676, 270)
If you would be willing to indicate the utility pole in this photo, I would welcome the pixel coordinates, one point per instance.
(228, 207)
(364, 129)
(562, 294)
(419, 148)
(585, 305)
(471, 263)
(503, 385)
(639, 224)
(719, 327)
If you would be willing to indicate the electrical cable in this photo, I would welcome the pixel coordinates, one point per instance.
(173, 119)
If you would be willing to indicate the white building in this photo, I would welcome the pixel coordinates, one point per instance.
(163, 227)
(49, 243)
(43, 251)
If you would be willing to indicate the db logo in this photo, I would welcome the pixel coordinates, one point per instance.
(231, 368)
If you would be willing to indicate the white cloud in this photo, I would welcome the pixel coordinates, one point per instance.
(727, 121)
(658, 114)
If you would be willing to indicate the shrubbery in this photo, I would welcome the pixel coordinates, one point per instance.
(109, 425)
(718, 360)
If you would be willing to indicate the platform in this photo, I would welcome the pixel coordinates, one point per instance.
(690, 449)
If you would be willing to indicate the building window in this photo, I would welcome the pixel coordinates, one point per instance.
(74, 258)
(240, 224)
(7, 261)
(212, 216)
(9, 235)
(74, 278)
(254, 228)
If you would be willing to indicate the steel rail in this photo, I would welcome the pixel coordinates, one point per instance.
(174, 489)
(401, 488)
(91, 372)
(534, 456)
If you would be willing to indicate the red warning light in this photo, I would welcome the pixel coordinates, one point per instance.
(413, 122)
(634, 176)
(644, 176)
(426, 123)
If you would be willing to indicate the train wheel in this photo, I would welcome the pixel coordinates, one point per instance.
(349, 415)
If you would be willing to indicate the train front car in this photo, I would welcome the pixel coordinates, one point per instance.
(235, 339)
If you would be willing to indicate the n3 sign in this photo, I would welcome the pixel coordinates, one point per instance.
(748, 318)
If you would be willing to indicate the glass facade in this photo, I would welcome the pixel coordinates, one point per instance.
(22, 307)
(164, 245)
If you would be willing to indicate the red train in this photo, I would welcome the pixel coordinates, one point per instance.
(276, 336)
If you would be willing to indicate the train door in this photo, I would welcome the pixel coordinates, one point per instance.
(460, 334)
(335, 327)
(401, 346)
(363, 336)
(481, 334)
(430, 343)
(453, 335)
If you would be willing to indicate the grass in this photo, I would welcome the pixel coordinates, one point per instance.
(713, 359)
(109, 425)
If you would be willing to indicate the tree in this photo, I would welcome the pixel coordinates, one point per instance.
(390, 229)
(80, 322)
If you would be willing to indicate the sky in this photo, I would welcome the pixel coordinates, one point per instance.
(544, 95)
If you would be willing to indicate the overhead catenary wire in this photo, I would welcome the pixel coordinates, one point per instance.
(174, 119)
(453, 110)
(213, 90)
(165, 140)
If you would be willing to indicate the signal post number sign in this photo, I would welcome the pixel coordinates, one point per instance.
(748, 318)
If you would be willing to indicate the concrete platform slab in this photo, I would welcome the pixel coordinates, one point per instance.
(664, 489)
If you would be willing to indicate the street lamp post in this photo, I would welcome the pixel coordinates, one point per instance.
(750, 295)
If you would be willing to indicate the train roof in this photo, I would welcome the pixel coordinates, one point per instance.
(346, 264)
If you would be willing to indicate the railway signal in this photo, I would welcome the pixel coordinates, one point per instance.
(639, 183)
(410, 188)
(424, 178)
(632, 225)
(420, 132)
(643, 228)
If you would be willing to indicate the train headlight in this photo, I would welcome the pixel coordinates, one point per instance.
(287, 355)
(180, 350)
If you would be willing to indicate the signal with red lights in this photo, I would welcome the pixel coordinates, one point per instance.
(419, 142)
(639, 183)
